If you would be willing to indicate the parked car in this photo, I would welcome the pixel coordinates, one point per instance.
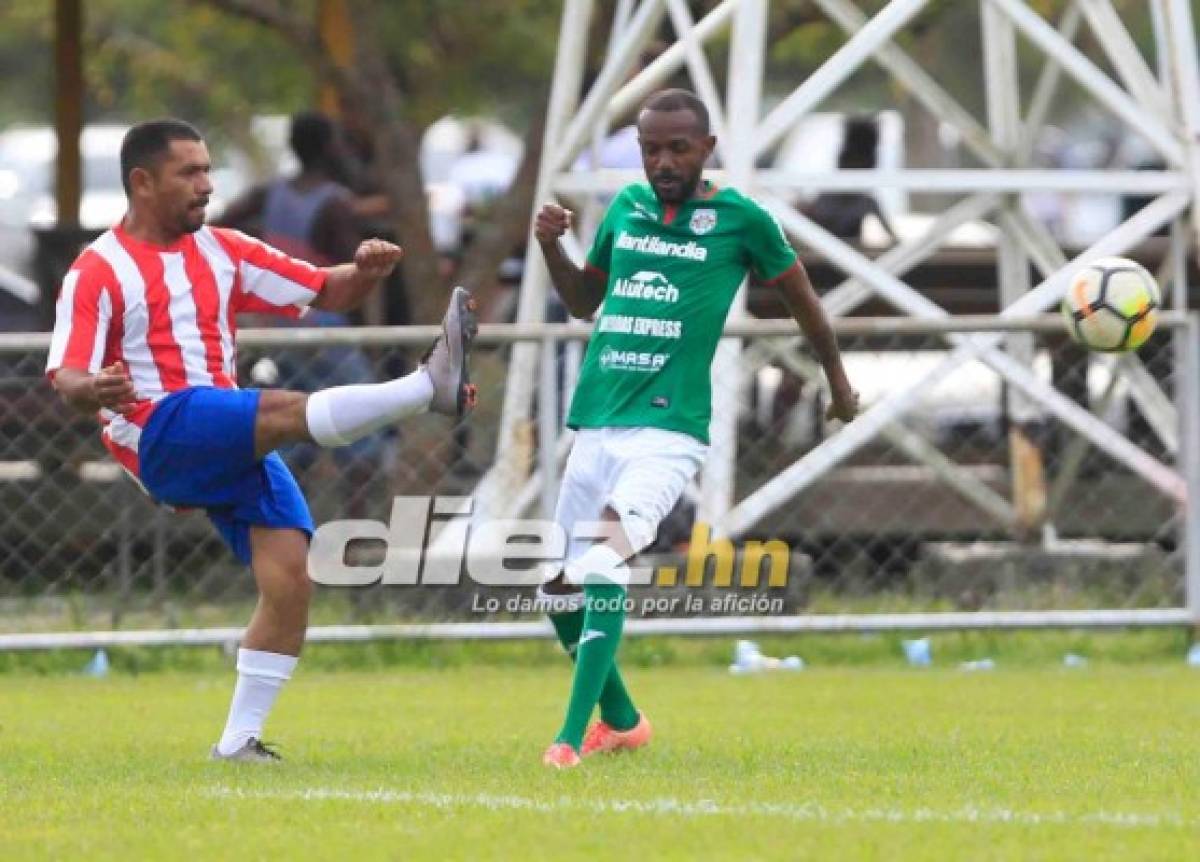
(27, 200)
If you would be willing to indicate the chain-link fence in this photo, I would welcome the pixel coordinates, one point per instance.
(976, 497)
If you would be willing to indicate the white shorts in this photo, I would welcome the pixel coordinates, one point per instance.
(639, 472)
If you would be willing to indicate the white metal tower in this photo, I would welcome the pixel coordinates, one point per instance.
(1160, 101)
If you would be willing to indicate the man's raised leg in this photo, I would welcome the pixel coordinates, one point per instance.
(342, 414)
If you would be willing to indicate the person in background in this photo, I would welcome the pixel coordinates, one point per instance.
(310, 217)
(843, 213)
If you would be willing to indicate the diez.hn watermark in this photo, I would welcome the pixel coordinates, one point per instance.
(434, 541)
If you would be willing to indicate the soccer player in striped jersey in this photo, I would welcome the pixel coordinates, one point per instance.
(145, 336)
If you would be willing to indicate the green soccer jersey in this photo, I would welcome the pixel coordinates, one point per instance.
(673, 272)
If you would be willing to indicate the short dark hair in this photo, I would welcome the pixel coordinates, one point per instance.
(860, 142)
(147, 142)
(310, 137)
(677, 99)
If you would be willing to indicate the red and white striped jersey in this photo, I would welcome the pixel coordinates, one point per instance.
(168, 313)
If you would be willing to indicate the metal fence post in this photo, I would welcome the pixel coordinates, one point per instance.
(548, 424)
(124, 543)
(1189, 419)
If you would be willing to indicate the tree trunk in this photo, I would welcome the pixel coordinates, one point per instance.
(375, 91)
(507, 221)
(398, 150)
(399, 165)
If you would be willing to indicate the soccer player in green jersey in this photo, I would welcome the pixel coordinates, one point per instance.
(663, 271)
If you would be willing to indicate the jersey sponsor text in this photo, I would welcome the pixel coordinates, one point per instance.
(651, 326)
(612, 359)
(648, 285)
(689, 250)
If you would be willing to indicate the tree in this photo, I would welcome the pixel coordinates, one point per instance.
(219, 63)
(414, 62)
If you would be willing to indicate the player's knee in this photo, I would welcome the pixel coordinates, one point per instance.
(301, 585)
(276, 403)
(280, 418)
(599, 565)
(286, 583)
(639, 529)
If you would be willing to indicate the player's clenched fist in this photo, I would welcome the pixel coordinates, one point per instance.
(551, 223)
(843, 403)
(376, 258)
(113, 388)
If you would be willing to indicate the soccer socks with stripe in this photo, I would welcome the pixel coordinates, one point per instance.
(595, 653)
(342, 414)
(616, 706)
(260, 677)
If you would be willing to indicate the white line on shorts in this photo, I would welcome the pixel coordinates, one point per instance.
(807, 812)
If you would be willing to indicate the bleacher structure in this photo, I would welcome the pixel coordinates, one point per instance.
(1158, 102)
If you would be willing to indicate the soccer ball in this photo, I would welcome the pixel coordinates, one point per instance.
(1112, 305)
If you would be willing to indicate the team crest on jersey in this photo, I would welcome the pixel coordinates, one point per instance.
(703, 220)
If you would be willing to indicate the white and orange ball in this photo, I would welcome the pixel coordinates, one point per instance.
(1112, 305)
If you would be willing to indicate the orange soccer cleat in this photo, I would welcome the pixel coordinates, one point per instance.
(560, 755)
(603, 738)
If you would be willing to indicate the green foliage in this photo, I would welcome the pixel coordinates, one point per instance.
(944, 38)
(26, 62)
(154, 57)
(808, 45)
(151, 57)
(185, 57)
(462, 56)
(1010, 649)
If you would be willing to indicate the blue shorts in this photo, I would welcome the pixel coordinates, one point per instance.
(197, 451)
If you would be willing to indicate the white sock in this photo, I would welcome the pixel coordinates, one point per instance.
(599, 564)
(260, 677)
(343, 414)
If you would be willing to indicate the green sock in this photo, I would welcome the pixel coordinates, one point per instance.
(616, 706)
(604, 618)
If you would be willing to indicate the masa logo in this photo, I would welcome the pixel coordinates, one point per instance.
(703, 220)
(612, 359)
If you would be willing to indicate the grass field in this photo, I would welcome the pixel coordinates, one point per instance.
(411, 762)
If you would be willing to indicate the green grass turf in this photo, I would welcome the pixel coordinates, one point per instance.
(407, 762)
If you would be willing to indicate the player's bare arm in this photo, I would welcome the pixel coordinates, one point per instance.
(110, 388)
(348, 284)
(581, 290)
(806, 307)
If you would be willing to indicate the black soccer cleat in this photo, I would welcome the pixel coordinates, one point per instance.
(253, 751)
(446, 361)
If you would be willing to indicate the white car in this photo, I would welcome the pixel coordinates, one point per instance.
(27, 201)
(27, 172)
(27, 195)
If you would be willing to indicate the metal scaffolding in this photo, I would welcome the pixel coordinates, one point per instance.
(1162, 104)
